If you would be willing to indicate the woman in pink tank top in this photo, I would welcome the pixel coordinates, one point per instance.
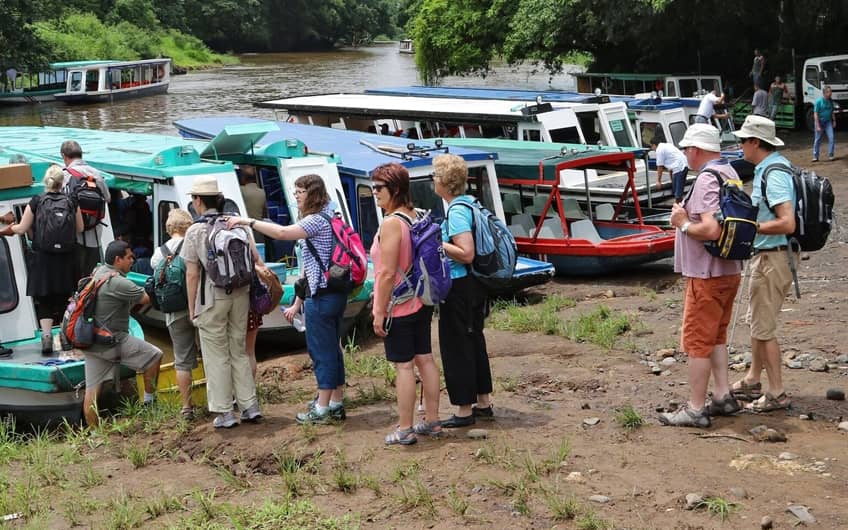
(404, 325)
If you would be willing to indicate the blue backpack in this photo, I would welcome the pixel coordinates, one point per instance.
(428, 277)
(495, 250)
(738, 219)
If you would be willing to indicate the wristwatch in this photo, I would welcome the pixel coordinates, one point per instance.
(685, 227)
(251, 223)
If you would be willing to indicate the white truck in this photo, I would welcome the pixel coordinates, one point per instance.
(832, 71)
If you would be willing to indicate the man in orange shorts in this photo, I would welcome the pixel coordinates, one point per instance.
(711, 282)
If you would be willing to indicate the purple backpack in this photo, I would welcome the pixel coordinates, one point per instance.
(429, 276)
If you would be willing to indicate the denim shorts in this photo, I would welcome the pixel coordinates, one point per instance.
(678, 182)
(324, 314)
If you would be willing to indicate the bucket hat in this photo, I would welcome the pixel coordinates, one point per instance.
(702, 136)
(204, 185)
(761, 128)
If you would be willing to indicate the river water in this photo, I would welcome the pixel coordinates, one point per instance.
(232, 90)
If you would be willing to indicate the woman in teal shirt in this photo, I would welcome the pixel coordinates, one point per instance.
(465, 360)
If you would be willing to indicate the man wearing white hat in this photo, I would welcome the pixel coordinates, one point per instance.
(771, 265)
(220, 316)
(711, 282)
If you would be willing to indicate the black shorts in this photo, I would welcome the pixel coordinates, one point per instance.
(409, 336)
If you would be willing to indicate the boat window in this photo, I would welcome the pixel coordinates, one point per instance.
(76, 81)
(478, 186)
(339, 205)
(811, 75)
(566, 135)
(163, 210)
(589, 124)
(671, 89)
(647, 131)
(688, 87)
(621, 133)
(92, 80)
(532, 135)
(8, 286)
(678, 129)
(424, 196)
(367, 211)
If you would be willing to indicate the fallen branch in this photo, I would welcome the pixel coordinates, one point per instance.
(720, 435)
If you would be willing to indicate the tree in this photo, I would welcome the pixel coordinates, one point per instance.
(20, 47)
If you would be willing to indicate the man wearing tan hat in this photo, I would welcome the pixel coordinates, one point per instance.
(711, 282)
(772, 263)
(219, 314)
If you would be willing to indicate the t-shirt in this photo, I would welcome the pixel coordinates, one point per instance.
(458, 222)
(194, 251)
(776, 93)
(404, 263)
(824, 108)
(320, 234)
(757, 65)
(779, 189)
(690, 256)
(670, 158)
(759, 102)
(115, 298)
(88, 238)
(707, 106)
(254, 200)
(172, 245)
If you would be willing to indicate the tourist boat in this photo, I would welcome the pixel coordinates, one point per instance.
(38, 87)
(34, 388)
(630, 84)
(115, 80)
(582, 239)
(359, 154)
(161, 169)
(406, 46)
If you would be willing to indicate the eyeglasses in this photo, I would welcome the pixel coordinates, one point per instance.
(378, 187)
(299, 191)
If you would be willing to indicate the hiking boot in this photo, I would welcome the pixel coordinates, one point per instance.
(46, 344)
(66, 344)
(338, 413)
(251, 413)
(726, 406)
(225, 420)
(685, 416)
(313, 416)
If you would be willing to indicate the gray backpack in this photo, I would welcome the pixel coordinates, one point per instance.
(229, 262)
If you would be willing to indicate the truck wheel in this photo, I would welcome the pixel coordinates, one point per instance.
(811, 119)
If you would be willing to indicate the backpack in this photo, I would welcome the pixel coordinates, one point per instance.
(229, 261)
(169, 284)
(348, 265)
(428, 276)
(89, 198)
(738, 220)
(813, 206)
(79, 324)
(265, 292)
(495, 250)
(55, 224)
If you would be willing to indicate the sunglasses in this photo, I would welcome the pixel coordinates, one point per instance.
(378, 187)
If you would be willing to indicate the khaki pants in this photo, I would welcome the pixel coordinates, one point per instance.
(222, 329)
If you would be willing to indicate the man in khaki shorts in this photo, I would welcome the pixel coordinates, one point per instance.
(771, 265)
(115, 298)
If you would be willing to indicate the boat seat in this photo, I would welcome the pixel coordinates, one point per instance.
(511, 203)
(546, 233)
(518, 231)
(585, 229)
(571, 208)
(554, 226)
(536, 209)
(525, 220)
(604, 212)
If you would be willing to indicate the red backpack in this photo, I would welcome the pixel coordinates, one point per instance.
(79, 324)
(348, 264)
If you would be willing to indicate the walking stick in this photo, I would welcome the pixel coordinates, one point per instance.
(736, 305)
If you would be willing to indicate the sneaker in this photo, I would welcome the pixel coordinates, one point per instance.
(831, 158)
(685, 417)
(338, 413)
(726, 406)
(313, 416)
(251, 413)
(815, 159)
(225, 420)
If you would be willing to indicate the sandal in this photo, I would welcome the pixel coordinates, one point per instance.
(746, 391)
(726, 406)
(434, 428)
(187, 413)
(768, 403)
(402, 437)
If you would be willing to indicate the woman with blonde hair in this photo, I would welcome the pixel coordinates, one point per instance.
(50, 281)
(180, 328)
(465, 360)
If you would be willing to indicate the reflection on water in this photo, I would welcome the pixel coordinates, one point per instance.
(232, 90)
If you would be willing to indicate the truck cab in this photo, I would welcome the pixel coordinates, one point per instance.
(831, 71)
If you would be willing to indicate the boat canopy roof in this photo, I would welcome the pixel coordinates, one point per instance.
(355, 157)
(520, 160)
(79, 64)
(512, 94)
(377, 106)
(38, 166)
(128, 156)
(654, 104)
(110, 63)
(629, 76)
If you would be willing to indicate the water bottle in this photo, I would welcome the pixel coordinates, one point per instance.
(299, 321)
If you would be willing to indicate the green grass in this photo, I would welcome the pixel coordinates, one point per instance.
(10, 441)
(718, 507)
(288, 514)
(456, 502)
(139, 455)
(359, 364)
(590, 521)
(369, 395)
(562, 508)
(415, 496)
(344, 478)
(602, 327)
(628, 418)
(125, 513)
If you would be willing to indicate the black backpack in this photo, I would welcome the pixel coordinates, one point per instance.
(813, 206)
(55, 224)
(737, 217)
(89, 197)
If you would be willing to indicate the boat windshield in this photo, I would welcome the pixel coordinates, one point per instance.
(8, 287)
(620, 132)
(678, 129)
(835, 72)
